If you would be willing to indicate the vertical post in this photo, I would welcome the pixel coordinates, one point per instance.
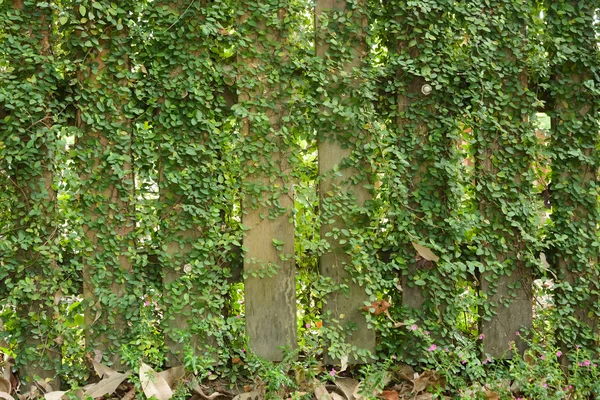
(184, 209)
(575, 163)
(30, 137)
(105, 167)
(335, 146)
(426, 125)
(504, 189)
(269, 264)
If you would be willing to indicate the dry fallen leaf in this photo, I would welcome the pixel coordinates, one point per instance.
(57, 297)
(529, 359)
(490, 395)
(153, 384)
(102, 370)
(378, 307)
(34, 393)
(425, 380)
(321, 393)
(43, 385)
(129, 395)
(57, 395)
(300, 375)
(4, 395)
(173, 375)
(425, 252)
(97, 355)
(405, 372)
(5, 385)
(389, 395)
(107, 385)
(199, 390)
(404, 389)
(347, 386)
(8, 374)
(344, 362)
(254, 395)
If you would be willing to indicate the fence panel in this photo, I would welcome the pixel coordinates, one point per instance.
(269, 263)
(335, 148)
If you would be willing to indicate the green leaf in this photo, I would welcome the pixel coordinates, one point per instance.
(82, 10)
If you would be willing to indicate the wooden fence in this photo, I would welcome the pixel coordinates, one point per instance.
(103, 159)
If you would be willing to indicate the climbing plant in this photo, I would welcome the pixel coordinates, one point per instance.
(223, 183)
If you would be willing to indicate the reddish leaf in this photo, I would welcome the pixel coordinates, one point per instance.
(389, 395)
(377, 307)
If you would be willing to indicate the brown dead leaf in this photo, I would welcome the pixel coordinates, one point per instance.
(107, 385)
(377, 307)
(56, 395)
(347, 386)
(6, 396)
(173, 375)
(97, 317)
(405, 372)
(425, 380)
(404, 389)
(199, 390)
(7, 372)
(529, 359)
(57, 297)
(34, 393)
(424, 396)
(102, 370)
(254, 395)
(321, 393)
(425, 252)
(236, 360)
(5, 385)
(343, 362)
(44, 386)
(490, 395)
(129, 395)
(389, 395)
(153, 384)
(318, 368)
(300, 375)
(97, 355)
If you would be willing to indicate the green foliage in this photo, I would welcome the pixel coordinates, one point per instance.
(137, 137)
